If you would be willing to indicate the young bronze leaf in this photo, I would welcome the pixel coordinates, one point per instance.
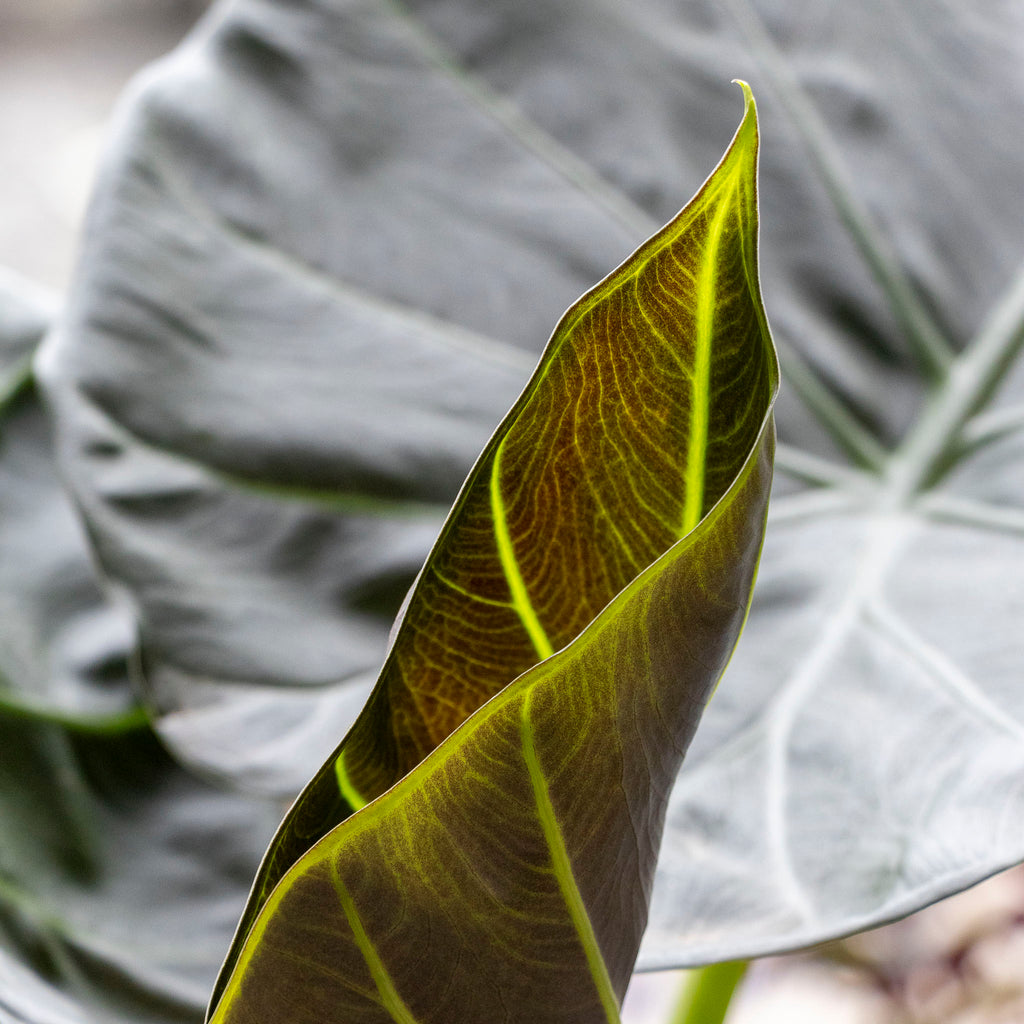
(507, 876)
(636, 420)
(639, 418)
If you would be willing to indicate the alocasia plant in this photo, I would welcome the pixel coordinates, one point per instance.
(342, 175)
(615, 518)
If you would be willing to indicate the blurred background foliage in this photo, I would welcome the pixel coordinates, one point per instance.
(62, 64)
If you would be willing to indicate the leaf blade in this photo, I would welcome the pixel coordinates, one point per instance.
(742, 352)
(486, 570)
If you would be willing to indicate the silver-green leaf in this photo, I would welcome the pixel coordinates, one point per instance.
(290, 237)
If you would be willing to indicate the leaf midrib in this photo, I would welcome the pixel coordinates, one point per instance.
(700, 381)
(972, 376)
(510, 565)
(389, 995)
(905, 476)
(930, 344)
(562, 868)
(112, 723)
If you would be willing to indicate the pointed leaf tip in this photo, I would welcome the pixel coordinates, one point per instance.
(749, 106)
(748, 94)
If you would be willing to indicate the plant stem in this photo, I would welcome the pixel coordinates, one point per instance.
(15, 381)
(707, 993)
(116, 723)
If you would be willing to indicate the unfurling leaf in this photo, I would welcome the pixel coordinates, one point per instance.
(592, 578)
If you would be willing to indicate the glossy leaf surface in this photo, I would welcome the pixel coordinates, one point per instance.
(637, 421)
(508, 873)
(235, 402)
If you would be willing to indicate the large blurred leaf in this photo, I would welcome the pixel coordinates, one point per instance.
(120, 875)
(289, 240)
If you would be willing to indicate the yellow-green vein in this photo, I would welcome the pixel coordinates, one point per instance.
(452, 585)
(507, 556)
(389, 996)
(700, 393)
(563, 871)
(346, 788)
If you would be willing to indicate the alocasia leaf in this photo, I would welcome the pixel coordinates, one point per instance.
(121, 876)
(637, 422)
(615, 517)
(289, 234)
